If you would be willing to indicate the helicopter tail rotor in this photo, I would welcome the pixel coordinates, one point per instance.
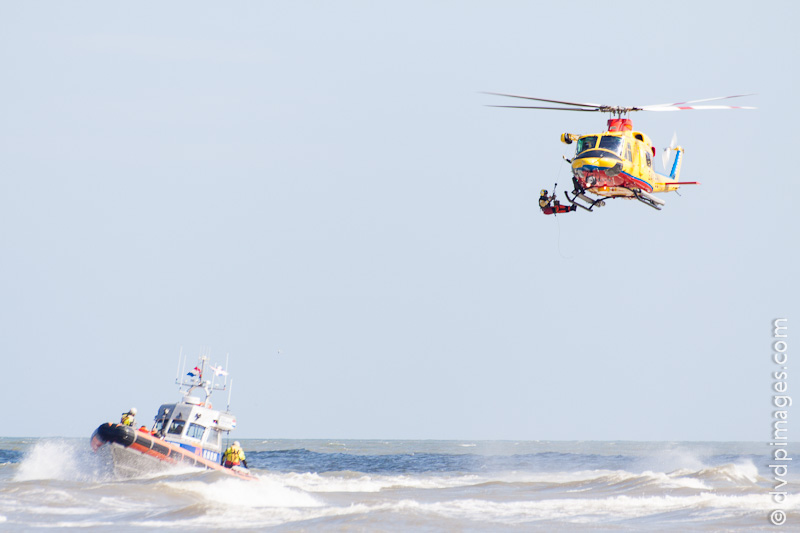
(672, 145)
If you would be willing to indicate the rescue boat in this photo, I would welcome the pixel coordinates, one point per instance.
(188, 432)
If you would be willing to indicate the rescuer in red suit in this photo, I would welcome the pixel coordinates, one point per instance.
(545, 202)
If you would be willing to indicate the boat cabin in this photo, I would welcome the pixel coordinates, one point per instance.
(193, 425)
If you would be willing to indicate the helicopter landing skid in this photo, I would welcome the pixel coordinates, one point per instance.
(578, 194)
(647, 199)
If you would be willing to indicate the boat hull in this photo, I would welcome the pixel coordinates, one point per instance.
(136, 452)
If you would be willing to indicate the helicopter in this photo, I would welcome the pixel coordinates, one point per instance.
(617, 163)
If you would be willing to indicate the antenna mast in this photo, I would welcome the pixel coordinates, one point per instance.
(178, 370)
(230, 390)
(194, 379)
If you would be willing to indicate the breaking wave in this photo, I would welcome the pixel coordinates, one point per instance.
(60, 483)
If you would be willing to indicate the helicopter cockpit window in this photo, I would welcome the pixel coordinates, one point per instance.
(585, 143)
(613, 144)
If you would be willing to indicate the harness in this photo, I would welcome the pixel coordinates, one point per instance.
(233, 455)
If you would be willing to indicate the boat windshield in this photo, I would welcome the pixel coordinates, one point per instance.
(612, 144)
(195, 431)
(176, 428)
(584, 143)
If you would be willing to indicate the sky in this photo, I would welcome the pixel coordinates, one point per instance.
(319, 191)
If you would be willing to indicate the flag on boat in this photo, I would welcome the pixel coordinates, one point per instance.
(195, 372)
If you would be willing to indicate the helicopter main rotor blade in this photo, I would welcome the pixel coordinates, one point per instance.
(698, 101)
(688, 108)
(544, 100)
(619, 110)
(536, 107)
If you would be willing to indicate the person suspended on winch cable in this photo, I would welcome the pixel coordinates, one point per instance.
(233, 456)
(549, 205)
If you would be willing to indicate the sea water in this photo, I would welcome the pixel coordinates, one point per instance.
(374, 485)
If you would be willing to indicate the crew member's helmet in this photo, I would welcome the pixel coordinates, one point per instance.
(544, 192)
(236, 443)
(133, 411)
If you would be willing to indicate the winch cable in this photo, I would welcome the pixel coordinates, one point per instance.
(555, 192)
(558, 224)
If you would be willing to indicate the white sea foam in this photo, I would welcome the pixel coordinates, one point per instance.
(262, 492)
(71, 525)
(66, 460)
(514, 513)
(55, 485)
(736, 473)
(587, 479)
(373, 483)
(231, 518)
(588, 510)
(60, 460)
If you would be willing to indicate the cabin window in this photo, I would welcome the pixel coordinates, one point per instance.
(176, 428)
(214, 438)
(647, 156)
(612, 144)
(628, 154)
(158, 427)
(195, 431)
(584, 143)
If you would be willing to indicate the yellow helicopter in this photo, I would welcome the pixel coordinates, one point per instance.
(617, 163)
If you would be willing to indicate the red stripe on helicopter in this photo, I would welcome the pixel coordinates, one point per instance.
(646, 186)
